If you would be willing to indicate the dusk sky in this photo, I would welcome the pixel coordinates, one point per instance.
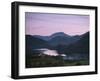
(47, 23)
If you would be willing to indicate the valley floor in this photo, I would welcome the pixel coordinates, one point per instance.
(52, 61)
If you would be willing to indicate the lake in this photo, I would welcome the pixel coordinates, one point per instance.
(74, 56)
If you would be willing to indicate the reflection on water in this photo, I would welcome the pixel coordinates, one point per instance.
(49, 52)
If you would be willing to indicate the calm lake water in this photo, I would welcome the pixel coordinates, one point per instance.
(64, 56)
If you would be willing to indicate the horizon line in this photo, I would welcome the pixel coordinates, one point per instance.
(58, 32)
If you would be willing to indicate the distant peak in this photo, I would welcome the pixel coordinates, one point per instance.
(59, 34)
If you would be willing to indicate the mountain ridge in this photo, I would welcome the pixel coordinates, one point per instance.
(59, 37)
(62, 44)
(54, 35)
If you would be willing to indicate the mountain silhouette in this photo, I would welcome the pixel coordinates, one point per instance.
(62, 34)
(80, 46)
(47, 38)
(61, 42)
(59, 38)
(34, 43)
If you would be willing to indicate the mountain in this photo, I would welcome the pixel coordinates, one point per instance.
(59, 38)
(63, 40)
(62, 43)
(80, 46)
(46, 38)
(62, 34)
(34, 43)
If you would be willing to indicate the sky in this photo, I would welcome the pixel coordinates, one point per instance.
(46, 24)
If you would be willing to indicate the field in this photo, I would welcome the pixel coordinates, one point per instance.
(52, 61)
